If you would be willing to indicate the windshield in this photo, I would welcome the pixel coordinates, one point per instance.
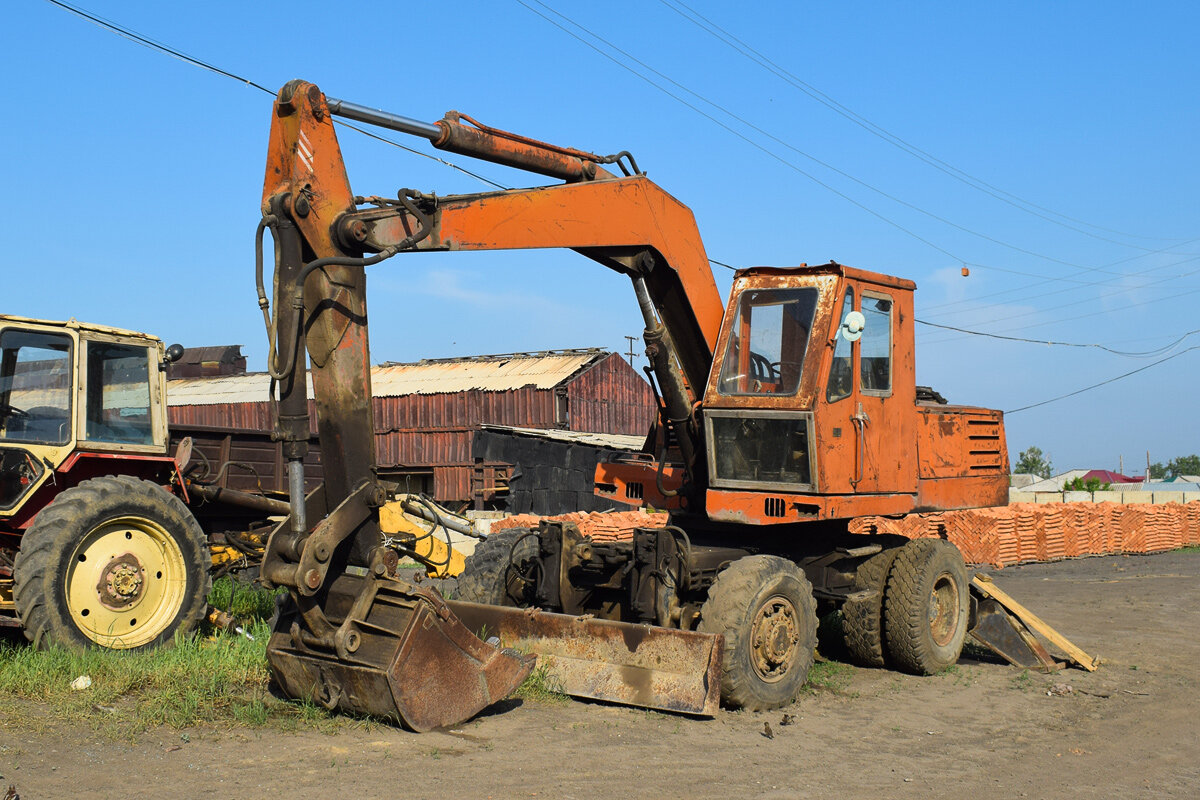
(767, 342)
(35, 387)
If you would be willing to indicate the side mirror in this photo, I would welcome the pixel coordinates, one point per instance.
(173, 354)
(852, 326)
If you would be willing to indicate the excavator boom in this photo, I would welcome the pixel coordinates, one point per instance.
(360, 638)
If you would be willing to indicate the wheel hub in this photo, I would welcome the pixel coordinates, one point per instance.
(125, 582)
(775, 634)
(943, 609)
(121, 582)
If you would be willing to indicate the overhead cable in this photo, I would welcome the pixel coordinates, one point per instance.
(786, 144)
(1103, 383)
(1134, 354)
(146, 41)
(1029, 207)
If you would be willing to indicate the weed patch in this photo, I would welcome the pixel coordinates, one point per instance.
(829, 676)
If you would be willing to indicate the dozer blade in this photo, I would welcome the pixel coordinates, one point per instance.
(618, 662)
(405, 657)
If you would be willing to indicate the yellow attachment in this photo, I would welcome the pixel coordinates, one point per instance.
(414, 539)
(224, 554)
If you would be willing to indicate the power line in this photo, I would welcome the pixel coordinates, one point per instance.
(788, 145)
(1070, 279)
(1102, 383)
(1176, 294)
(1029, 207)
(145, 41)
(721, 124)
(1142, 354)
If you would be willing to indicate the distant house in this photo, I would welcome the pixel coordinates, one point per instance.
(427, 412)
(1108, 476)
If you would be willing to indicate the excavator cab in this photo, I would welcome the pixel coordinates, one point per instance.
(810, 412)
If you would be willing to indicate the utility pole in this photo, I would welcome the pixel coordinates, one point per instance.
(631, 354)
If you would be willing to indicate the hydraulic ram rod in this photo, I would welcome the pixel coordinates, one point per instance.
(384, 119)
(488, 144)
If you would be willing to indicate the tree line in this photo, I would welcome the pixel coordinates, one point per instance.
(1032, 461)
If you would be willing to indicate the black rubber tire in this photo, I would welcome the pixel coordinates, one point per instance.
(862, 620)
(742, 594)
(94, 520)
(493, 573)
(926, 606)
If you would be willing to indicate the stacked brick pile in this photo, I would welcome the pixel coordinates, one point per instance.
(1003, 536)
(1050, 531)
(602, 526)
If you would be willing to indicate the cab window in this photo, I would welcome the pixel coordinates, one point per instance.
(765, 353)
(118, 394)
(841, 371)
(35, 387)
(875, 352)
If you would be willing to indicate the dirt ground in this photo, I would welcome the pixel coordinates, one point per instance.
(1128, 730)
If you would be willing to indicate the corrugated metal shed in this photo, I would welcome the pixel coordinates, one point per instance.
(426, 412)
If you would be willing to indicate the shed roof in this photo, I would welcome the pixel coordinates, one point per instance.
(612, 441)
(492, 373)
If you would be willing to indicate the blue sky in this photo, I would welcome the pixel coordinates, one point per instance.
(133, 179)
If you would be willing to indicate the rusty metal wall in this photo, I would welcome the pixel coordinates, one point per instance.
(610, 398)
(435, 430)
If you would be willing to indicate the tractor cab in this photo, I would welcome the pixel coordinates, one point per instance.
(70, 391)
(809, 410)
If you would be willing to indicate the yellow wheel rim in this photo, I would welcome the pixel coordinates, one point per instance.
(125, 582)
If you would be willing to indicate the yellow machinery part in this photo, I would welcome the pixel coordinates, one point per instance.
(425, 542)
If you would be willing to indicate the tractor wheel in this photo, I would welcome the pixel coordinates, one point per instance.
(862, 620)
(115, 562)
(497, 572)
(764, 606)
(925, 609)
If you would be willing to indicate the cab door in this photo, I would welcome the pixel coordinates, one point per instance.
(866, 428)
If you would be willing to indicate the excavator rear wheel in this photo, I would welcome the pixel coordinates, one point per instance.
(116, 562)
(497, 572)
(764, 606)
(925, 608)
(862, 620)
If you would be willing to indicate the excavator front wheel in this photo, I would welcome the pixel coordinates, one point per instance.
(764, 607)
(497, 572)
(115, 562)
(926, 605)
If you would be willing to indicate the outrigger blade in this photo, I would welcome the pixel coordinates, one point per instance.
(1006, 626)
(618, 662)
(399, 653)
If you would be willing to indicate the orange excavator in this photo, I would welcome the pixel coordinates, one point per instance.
(784, 413)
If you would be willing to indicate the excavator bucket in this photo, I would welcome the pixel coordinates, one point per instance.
(617, 662)
(1006, 627)
(400, 654)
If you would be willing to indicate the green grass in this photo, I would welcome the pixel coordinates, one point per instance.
(243, 600)
(541, 685)
(829, 676)
(220, 679)
(1191, 548)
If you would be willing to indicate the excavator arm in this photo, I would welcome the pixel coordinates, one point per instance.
(359, 637)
